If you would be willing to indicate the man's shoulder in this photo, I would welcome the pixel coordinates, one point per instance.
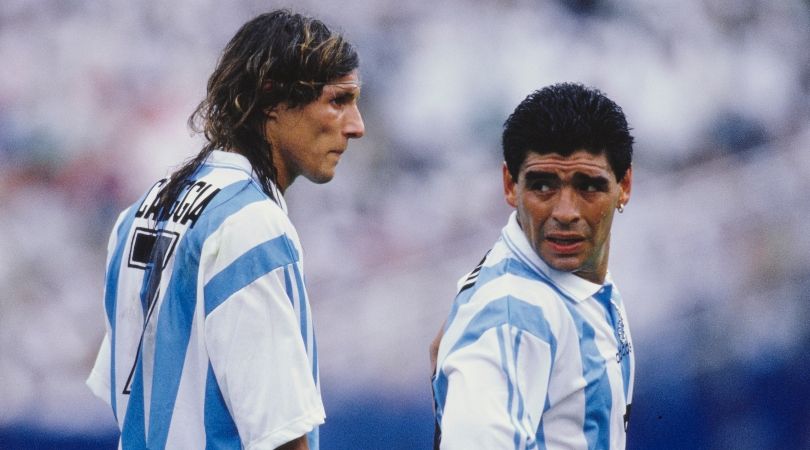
(259, 218)
(505, 296)
(240, 198)
(216, 202)
(506, 281)
(511, 276)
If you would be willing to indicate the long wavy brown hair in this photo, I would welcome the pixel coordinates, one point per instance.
(277, 57)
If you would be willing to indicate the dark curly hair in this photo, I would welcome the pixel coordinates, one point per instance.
(564, 118)
(277, 57)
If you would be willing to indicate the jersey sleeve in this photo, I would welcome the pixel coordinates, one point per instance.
(254, 341)
(496, 390)
(99, 379)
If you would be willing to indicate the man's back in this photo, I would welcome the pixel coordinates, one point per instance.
(210, 337)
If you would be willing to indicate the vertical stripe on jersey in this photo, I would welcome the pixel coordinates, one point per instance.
(220, 429)
(315, 373)
(509, 385)
(111, 294)
(133, 434)
(300, 303)
(598, 397)
(303, 315)
(172, 335)
(515, 397)
(288, 287)
(247, 268)
(298, 297)
(610, 299)
(540, 437)
(530, 444)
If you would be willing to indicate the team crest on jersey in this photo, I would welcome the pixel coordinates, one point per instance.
(624, 344)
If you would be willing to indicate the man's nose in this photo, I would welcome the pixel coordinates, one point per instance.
(566, 209)
(354, 127)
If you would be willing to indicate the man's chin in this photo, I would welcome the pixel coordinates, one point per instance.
(320, 178)
(564, 265)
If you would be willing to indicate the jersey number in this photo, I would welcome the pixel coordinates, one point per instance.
(150, 251)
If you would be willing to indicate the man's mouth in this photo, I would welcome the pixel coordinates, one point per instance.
(565, 243)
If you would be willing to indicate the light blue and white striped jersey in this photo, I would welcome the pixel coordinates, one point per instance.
(209, 340)
(533, 358)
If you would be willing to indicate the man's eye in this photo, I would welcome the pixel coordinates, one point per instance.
(593, 186)
(341, 99)
(541, 187)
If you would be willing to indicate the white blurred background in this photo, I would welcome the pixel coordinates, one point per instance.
(712, 254)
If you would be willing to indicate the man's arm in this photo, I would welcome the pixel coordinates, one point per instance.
(434, 348)
(260, 362)
(255, 330)
(496, 390)
(298, 444)
(99, 379)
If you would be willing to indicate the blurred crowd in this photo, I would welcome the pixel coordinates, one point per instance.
(712, 254)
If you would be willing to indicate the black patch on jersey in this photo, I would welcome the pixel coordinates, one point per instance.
(627, 417)
(437, 429)
(473, 276)
(437, 435)
(151, 245)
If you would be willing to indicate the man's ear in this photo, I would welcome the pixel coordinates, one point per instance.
(509, 186)
(271, 113)
(626, 185)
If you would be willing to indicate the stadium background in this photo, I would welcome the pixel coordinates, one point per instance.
(712, 253)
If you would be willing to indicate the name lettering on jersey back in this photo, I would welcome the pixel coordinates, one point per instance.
(188, 207)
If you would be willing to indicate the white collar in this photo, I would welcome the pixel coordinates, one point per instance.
(238, 161)
(577, 287)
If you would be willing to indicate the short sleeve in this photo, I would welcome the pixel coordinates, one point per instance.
(496, 390)
(99, 379)
(254, 340)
